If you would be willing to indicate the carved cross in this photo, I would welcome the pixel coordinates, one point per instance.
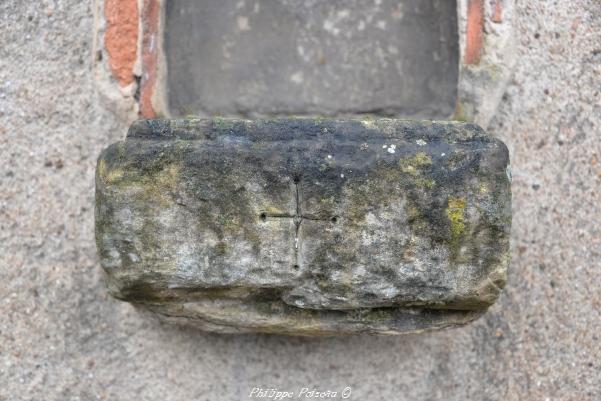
(298, 215)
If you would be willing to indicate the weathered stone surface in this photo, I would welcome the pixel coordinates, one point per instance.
(306, 226)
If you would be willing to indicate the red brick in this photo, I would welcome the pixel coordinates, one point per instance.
(475, 32)
(121, 38)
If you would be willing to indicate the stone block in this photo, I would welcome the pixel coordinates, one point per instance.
(306, 226)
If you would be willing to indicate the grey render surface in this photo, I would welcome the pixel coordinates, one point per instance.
(312, 57)
(63, 338)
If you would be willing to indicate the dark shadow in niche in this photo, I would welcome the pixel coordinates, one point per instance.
(297, 57)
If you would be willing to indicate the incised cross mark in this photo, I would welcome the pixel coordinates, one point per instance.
(297, 217)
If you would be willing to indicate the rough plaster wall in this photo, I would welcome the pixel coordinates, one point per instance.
(61, 338)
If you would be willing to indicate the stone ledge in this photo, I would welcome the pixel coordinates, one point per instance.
(306, 226)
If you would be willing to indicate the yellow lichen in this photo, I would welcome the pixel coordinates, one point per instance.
(114, 175)
(455, 214)
(422, 159)
(273, 210)
(155, 188)
(411, 165)
(414, 166)
(101, 168)
(109, 176)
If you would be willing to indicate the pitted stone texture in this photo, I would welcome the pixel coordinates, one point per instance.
(283, 57)
(301, 225)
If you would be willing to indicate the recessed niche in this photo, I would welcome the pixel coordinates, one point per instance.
(312, 57)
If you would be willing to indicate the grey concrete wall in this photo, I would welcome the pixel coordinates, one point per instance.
(62, 338)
